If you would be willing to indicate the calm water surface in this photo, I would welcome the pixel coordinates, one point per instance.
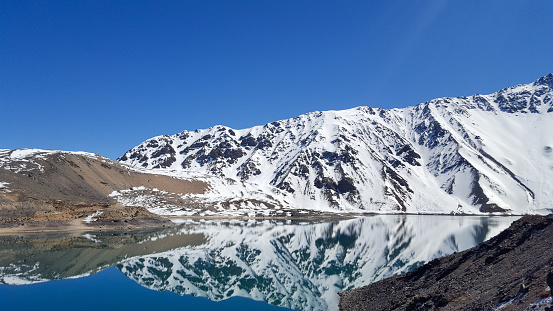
(226, 265)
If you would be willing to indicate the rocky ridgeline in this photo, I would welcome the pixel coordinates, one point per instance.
(477, 154)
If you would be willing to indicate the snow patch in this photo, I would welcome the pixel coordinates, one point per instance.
(3, 187)
(91, 218)
(91, 236)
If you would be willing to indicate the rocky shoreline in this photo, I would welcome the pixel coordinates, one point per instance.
(512, 271)
(70, 217)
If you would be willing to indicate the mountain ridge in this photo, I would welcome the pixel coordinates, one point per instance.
(476, 154)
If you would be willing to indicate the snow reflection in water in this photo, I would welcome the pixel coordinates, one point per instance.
(299, 265)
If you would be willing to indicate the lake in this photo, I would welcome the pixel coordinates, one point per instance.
(226, 264)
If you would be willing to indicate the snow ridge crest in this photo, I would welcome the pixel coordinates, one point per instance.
(479, 154)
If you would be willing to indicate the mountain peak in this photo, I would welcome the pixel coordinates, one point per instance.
(449, 155)
(545, 80)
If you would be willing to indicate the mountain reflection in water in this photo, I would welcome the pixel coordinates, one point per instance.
(293, 264)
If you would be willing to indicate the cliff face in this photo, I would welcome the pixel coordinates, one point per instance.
(512, 271)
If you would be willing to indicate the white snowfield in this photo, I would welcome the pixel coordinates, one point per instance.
(467, 155)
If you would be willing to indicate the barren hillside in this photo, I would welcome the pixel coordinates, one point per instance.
(40, 185)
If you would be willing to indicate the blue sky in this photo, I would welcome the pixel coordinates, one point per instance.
(103, 76)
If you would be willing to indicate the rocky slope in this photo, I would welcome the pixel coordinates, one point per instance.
(477, 154)
(512, 271)
(45, 186)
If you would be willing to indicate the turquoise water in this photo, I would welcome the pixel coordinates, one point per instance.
(226, 265)
(110, 290)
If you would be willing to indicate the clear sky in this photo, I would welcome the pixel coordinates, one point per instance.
(103, 76)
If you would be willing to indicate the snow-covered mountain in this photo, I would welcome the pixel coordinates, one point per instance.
(477, 154)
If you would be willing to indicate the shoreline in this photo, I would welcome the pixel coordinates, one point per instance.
(9, 226)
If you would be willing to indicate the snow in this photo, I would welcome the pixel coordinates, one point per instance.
(20, 274)
(22, 160)
(25, 154)
(91, 236)
(21, 154)
(17, 280)
(463, 146)
(91, 218)
(543, 303)
(445, 156)
(4, 187)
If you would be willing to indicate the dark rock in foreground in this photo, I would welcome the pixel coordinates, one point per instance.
(512, 271)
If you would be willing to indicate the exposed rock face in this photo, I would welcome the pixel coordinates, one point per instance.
(512, 271)
(477, 154)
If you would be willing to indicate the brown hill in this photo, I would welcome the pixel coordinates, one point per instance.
(512, 271)
(45, 186)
